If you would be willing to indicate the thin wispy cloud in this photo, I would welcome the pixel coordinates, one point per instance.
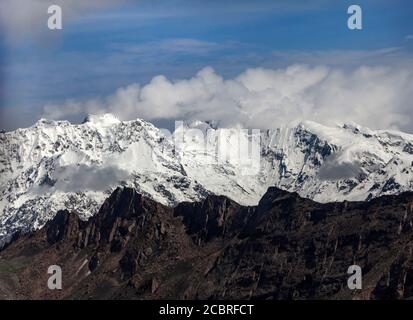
(169, 46)
(24, 19)
(345, 58)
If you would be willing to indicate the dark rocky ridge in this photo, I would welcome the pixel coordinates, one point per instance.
(285, 248)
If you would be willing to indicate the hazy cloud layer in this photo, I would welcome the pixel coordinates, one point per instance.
(334, 169)
(377, 97)
(21, 19)
(83, 177)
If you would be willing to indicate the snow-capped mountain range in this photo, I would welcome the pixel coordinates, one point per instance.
(57, 165)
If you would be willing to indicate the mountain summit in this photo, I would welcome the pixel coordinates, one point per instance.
(56, 165)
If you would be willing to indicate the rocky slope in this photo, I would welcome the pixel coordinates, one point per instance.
(287, 247)
(56, 165)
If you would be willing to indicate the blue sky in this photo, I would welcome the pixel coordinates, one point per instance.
(103, 48)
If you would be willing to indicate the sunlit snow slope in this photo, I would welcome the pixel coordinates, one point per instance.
(58, 165)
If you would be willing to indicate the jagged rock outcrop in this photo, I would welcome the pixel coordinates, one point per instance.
(215, 217)
(287, 247)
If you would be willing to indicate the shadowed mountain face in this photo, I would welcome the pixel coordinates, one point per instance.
(287, 247)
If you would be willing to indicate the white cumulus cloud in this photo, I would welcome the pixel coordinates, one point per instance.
(377, 97)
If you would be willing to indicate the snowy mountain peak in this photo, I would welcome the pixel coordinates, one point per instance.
(41, 123)
(57, 165)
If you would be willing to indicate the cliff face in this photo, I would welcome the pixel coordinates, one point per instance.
(287, 247)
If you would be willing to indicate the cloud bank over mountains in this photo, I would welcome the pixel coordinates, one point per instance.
(377, 97)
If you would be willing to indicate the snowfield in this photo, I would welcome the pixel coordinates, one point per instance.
(57, 165)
